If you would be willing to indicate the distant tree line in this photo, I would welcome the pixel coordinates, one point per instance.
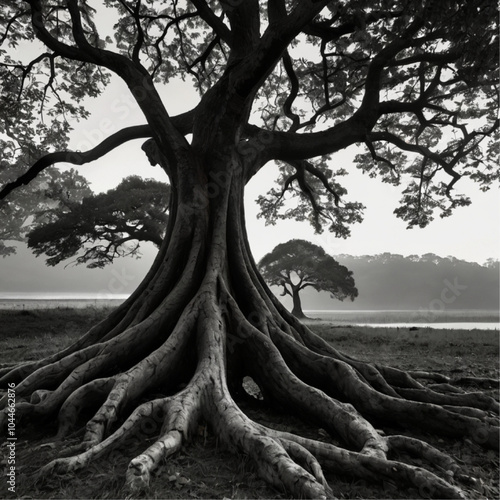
(390, 281)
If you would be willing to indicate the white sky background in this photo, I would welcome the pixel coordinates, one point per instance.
(471, 233)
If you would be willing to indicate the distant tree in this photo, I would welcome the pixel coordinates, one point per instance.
(492, 263)
(104, 226)
(297, 264)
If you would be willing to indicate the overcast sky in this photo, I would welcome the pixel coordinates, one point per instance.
(472, 233)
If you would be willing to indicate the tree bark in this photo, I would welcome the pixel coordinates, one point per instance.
(297, 305)
(177, 350)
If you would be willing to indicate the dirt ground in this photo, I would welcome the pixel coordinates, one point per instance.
(204, 469)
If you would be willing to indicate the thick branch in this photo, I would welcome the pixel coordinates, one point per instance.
(183, 123)
(213, 21)
(370, 102)
(78, 158)
(52, 43)
(329, 33)
(140, 34)
(421, 150)
(294, 90)
(84, 52)
(245, 25)
(289, 146)
(262, 60)
(78, 32)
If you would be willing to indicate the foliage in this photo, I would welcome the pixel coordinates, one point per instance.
(414, 82)
(40, 202)
(102, 225)
(440, 80)
(311, 266)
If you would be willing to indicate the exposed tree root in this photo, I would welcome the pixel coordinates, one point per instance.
(320, 388)
(178, 354)
(447, 384)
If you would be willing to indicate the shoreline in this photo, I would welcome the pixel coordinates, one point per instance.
(74, 321)
(427, 335)
(487, 326)
(412, 317)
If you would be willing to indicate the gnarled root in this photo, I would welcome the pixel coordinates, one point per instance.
(195, 366)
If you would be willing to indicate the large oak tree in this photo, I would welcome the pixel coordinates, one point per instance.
(414, 82)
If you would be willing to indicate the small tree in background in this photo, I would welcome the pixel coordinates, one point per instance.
(297, 264)
(106, 225)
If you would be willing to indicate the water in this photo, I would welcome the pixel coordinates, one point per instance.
(460, 319)
(449, 325)
(52, 301)
(449, 319)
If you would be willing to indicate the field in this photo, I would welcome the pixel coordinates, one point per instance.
(204, 469)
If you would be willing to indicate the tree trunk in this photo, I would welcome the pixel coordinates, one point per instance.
(201, 321)
(297, 305)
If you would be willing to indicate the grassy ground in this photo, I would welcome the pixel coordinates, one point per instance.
(459, 352)
(204, 469)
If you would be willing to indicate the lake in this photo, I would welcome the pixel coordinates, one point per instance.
(453, 319)
(422, 318)
(52, 301)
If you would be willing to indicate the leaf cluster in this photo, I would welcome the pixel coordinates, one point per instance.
(435, 104)
(311, 192)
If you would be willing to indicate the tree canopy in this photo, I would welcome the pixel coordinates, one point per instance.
(413, 82)
(298, 264)
(104, 226)
(291, 82)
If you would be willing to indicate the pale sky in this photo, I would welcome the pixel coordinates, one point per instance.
(472, 233)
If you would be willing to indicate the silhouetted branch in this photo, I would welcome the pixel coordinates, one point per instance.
(76, 157)
(213, 21)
